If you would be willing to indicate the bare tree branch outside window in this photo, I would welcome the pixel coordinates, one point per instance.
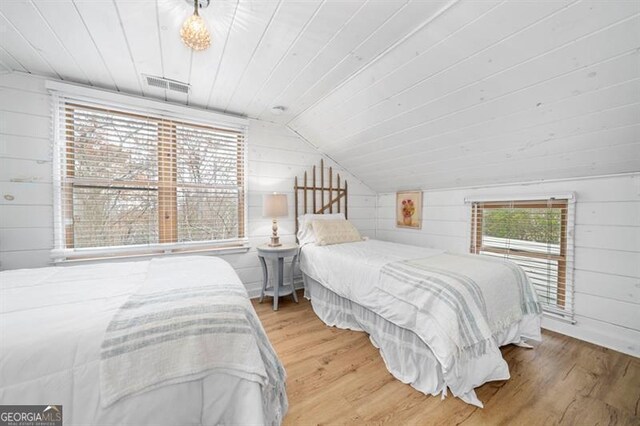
(112, 173)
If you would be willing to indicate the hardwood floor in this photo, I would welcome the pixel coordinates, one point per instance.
(337, 376)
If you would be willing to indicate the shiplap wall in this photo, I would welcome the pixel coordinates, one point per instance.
(275, 156)
(607, 248)
(607, 231)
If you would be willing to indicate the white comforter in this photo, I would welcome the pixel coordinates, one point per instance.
(52, 323)
(353, 271)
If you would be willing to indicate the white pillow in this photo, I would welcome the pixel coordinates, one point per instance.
(305, 231)
(335, 232)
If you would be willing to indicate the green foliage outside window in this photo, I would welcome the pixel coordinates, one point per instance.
(530, 224)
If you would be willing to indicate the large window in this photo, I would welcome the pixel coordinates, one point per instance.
(138, 181)
(534, 234)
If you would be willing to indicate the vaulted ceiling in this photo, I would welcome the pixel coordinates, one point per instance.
(404, 94)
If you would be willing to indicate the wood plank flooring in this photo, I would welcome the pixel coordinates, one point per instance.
(337, 377)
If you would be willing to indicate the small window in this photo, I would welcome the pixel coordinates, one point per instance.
(535, 235)
(135, 181)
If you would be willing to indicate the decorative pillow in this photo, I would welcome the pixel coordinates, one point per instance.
(305, 232)
(335, 232)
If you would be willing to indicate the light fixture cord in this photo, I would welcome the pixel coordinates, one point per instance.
(195, 7)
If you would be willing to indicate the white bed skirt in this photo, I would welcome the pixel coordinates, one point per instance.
(406, 356)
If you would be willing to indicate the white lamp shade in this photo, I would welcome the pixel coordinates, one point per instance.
(275, 205)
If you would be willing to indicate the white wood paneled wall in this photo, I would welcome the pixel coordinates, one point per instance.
(607, 248)
(26, 212)
(275, 156)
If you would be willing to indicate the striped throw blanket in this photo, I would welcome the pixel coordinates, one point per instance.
(470, 297)
(177, 328)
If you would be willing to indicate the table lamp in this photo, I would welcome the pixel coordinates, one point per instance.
(274, 206)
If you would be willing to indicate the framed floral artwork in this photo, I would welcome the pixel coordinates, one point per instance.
(409, 209)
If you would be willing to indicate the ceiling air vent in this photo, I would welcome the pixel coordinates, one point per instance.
(167, 84)
(176, 86)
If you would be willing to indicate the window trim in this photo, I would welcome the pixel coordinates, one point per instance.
(566, 255)
(106, 98)
(128, 104)
(164, 249)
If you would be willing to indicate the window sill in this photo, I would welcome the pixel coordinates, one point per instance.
(567, 317)
(70, 257)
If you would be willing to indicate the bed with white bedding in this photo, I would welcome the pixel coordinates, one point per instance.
(166, 341)
(437, 318)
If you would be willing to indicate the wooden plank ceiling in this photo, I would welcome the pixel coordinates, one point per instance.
(404, 94)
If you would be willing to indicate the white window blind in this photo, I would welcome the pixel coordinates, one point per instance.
(538, 236)
(132, 181)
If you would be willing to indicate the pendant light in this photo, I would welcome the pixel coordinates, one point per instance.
(194, 32)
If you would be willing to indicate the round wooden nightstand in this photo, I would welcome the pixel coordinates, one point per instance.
(277, 255)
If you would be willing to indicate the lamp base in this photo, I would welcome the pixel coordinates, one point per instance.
(275, 242)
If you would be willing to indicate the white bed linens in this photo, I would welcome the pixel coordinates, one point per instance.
(52, 325)
(353, 271)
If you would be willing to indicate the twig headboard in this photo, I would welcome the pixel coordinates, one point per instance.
(317, 193)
